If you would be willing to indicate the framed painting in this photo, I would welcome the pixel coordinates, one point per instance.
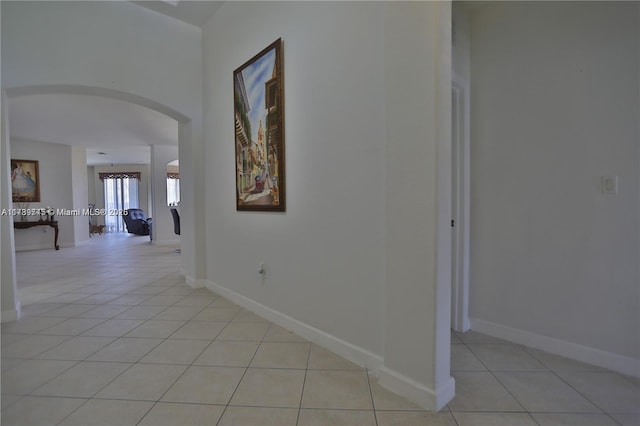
(25, 181)
(258, 95)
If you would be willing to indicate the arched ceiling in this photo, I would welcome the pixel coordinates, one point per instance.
(122, 130)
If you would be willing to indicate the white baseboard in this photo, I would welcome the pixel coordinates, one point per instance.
(194, 282)
(619, 363)
(47, 246)
(353, 353)
(433, 399)
(11, 314)
(396, 382)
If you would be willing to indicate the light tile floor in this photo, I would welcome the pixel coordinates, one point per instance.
(111, 335)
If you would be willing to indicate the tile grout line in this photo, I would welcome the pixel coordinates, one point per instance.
(304, 382)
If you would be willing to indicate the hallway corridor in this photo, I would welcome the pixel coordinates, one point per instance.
(111, 335)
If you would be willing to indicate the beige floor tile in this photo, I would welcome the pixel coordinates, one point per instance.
(228, 353)
(77, 348)
(141, 312)
(279, 334)
(39, 411)
(462, 359)
(113, 327)
(222, 302)
(216, 314)
(7, 400)
(32, 346)
(384, 399)
(573, 419)
(337, 390)
(102, 412)
(31, 374)
(72, 326)
(282, 355)
(196, 301)
(9, 338)
(322, 359)
(475, 337)
(627, 419)
(176, 351)
(156, 329)
(162, 300)
(125, 349)
(270, 388)
(481, 391)
(248, 316)
(407, 418)
(9, 363)
(143, 382)
(38, 309)
(314, 417)
(205, 385)
(66, 298)
(205, 330)
(83, 380)
(179, 290)
(70, 310)
(505, 357)
(544, 392)
(104, 311)
(558, 363)
(172, 414)
(30, 325)
(494, 419)
(179, 313)
(454, 338)
(243, 416)
(611, 392)
(249, 331)
(98, 299)
(130, 299)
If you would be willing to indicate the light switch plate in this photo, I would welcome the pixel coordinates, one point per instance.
(610, 185)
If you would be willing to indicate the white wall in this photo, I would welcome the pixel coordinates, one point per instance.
(118, 49)
(326, 258)
(8, 297)
(461, 43)
(555, 106)
(56, 191)
(327, 251)
(79, 182)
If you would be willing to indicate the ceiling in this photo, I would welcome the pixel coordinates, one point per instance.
(193, 12)
(122, 130)
(113, 131)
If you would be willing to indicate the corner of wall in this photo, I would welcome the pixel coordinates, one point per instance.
(433, 399)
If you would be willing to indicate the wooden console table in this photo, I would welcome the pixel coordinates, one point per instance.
(30, 224)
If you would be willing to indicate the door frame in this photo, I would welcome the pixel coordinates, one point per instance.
(460, 200)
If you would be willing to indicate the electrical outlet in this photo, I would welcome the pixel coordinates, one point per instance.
(610, 185)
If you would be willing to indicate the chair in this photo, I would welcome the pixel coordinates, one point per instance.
(137, 222)
(176, 224)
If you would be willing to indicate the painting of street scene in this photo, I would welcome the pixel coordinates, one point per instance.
(259, 131)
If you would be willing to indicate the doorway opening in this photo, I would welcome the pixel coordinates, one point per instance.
(460, 185)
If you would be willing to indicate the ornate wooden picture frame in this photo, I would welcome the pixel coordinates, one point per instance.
(25, 181)
(258, 94)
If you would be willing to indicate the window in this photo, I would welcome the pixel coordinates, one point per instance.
(173, 189)
(120, 193)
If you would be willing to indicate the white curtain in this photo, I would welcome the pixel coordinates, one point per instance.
(119, 194)
(173, 191)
